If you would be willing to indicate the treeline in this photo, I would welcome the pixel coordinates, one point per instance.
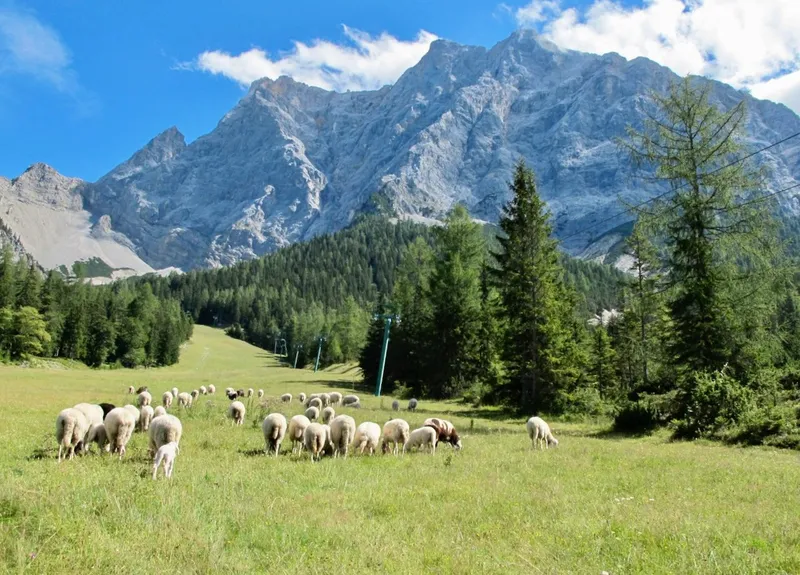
(50, 317)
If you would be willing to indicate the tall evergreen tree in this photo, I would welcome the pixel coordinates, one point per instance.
(8, 290)
(30, 288)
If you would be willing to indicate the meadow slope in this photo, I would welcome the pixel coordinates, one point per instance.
(597, 503)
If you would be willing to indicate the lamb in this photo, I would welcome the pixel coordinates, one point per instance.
(538, 430)
(315, 438)
(167, 454)
(445, 430)
(274, 428)
(335, 397)
(134, 411)
(343, 429)
(297, 426)
(286, 398)
(315, 402)
(260, 393)
(302, 397)
(194, 394)
(119, 425)
(97, 434)
(144, 398)
(327, 414)
(166, 399)
(250, 392)
(236, 412)
(159, 410)
(184, 399)
(130, 390)
(395, 405)
(312, 413)
(412, 404)
(106, 407)
(203, 390)
(420, 438)
(146, 417)
(396, 432)
(175, 393)
(164, 429)
(71, 429)
(367, 436)
(212, 389)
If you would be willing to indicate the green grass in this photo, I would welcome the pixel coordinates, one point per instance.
(596, 503)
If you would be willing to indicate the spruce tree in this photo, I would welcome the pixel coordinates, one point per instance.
(30, 288)
(30, 334)
(8, 290)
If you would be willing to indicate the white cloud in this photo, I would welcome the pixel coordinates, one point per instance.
(750, 44)
(367, 62)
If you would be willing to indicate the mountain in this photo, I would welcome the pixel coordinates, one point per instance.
(290, 161)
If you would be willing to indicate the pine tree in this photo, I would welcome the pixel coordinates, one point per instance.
(30, 333)
(603, 367)
(100, 334)
(8, 290)
(31, 285)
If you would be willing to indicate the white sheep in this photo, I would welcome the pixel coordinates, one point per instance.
(71, 429)
(119, 423)
(538, 430)
(396, 432)
(166, 399)
(274, 428)
(131, 390)
(312, 413)
(421, 437)
(350, 399)
(395, 405)
(327, 414)
(203, 390)
(94, 413)
(367, 436)
(314, 402)
(325, 398)
(315, 437)
(343, 429)
(97, 434)
(164, 429)
(175, 393)
(184, 399)
(236, 412)
(211, 389)
(159, 410)
(250, 392)
(412, 404)
(229, 390)
(335, 397)
(297, 426)
(134, 411)
(260, 393)
(144, 398)
(313, 396)
(302, 397)
(166, 453)
(286, 398)
(145, 417)
(195, 393)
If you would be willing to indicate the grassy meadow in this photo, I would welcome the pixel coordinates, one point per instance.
(597, 503)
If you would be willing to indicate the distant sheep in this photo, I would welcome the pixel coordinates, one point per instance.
(396, 432)
(395, 405)
(229, 390)
(166, 399)
(297, 426)
(302, 397)
(412, 404)
(315, 438)
(312, 413)
(286, 398)
(166, 453)
(419, 438)
(315, 402)
(335, 397)
(119, 425)
(146, 417)
(325, 398)
(343, 429)
(195, 394)
(445, 430)
(350, 399)
(231, 394)
(538, 430)
(260, 393)
(313, 396)
(71, 429)
(164, 429)
(159, 410)
(274, 428)
(250, 392)
(144, 398)
(174, 393)
(236, 412)
(203, 390)
(367, 436)
(327, 414)
(131, 390)
(240, 392)
(184, 399)
(211, 389)
(141, 389)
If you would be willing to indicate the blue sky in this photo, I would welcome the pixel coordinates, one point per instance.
(85, 83)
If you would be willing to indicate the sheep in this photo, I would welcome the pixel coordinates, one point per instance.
(195, 394)
(231, 394)
(395, 405)
(315, 438)
(350, 399)
(203, 390)
(327, 414)
(175, 393)
(412, 404)
(146, 417)
(119, 425)
(315, 402)
(343, 429)
(250, 392)
(396, 432)
(313, 396)
(420, 438)
(144, 398)
(106, 407)
(141, 389)
(297, 426)
(260, 393)
(356, 405)
(166, 399)
(184, 399)
(302, 397)
(134, 411)
(240, 392)
(236, 412)
(167, 454)
(325, 398)
(71, 429)
(130, 390)
(97, 434)
(286, 398)
(445, 430)
(94, 413)
(335, 397)
(274, 428)
(229, 390)
(538, 430)
(367, 436)
(164, 429)
(312, 413)
(211, 389)
(159, 410)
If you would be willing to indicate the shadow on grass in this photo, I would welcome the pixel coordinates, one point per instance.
(614, 435)
(492, 414)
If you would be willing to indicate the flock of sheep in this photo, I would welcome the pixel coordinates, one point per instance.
(319, 430)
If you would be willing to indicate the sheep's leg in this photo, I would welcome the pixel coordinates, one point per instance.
(155, 471)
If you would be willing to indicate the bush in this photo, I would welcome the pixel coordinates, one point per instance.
(710, 402)
(235, 331)
(644, 414)
(583, 401)
(776, 425)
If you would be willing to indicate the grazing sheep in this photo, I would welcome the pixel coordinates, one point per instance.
(412, 404)
(184, 399)
(260, 393)
(286, 398)
(97, 434)
(166, 399)
(144, 398)
(146, 417)
(141, 389)
(194, 394)
(367, 436)
(106, 407)
(229, 390)
(335, 397)
(315, 402)
(396, 432)
(274, 428)
(250, 392)
(297, 426)
(71, 429)
(236, 412)
(327, 414)
(395, 405)
(325, 398)
(164, 429)
(240, 392)
(167, 454)
(421, 437)
(350, 399)
(174, 393)
(131, 390)
(134, 411)
(94, 413)
(315, 438)
(343, 429)
(312, 413)
(211, 389)
(313, 396)
(159, 410)
(445, 430)
(302, 397)
(231, 394)
(538, 430)
(356, 405)
(203, 390)
(119, 425)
